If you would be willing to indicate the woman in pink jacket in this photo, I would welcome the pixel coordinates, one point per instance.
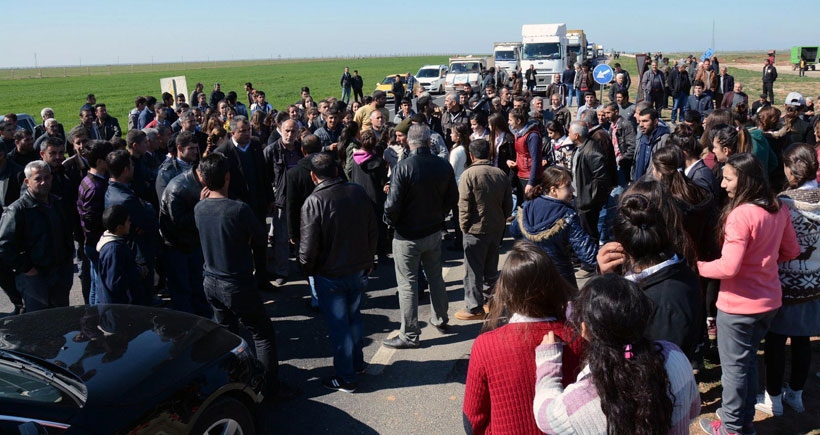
(756, 233)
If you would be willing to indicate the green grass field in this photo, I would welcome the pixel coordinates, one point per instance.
(117, 86)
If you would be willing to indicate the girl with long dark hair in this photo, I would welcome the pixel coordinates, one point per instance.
(530, 300)
(649, 227)
(630, 384)
(756, 233)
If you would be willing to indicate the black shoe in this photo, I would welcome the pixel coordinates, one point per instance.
(280, 281)
(397, 343)
(443, 328)
(337, 384)
(362, 370)
(455, 247)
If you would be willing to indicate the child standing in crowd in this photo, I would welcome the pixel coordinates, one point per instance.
(120, 276)
(756, 233)
(551, 221)
(499, 393)
(630, 385)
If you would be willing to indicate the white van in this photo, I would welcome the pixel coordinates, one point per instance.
(431, 77)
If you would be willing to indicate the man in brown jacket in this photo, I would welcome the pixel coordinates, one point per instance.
(707, 75)
(484, 202)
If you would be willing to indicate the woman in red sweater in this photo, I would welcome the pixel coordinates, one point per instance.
(500, 379)
(756, 234)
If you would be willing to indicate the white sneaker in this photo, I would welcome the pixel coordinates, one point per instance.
(770, 405)
(794, 399)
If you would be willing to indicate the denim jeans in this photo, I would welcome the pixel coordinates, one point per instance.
(679, 106)
(739, 338)
(93, 259)
(184, 274)
(314, 298)
(339, 300)
(46, 290)
(406, 255)
(579, 96)
(607, 216)
(346, 94)
(570, 95)
(233, 302)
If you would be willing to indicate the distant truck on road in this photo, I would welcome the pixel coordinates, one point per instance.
(462, 70)
(808, 53)
(507, 55)
(576, 46)
(545, 48)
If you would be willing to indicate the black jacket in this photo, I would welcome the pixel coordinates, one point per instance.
(591, 176)
(679, 82)
(259, 195)
(176, 213)
(338, 230)
(110, 128)
(678, 313)
(35, 235)
(277, 166)
(168, 170)
(422, 192)
(10, 182)
(144, 235)
(299, 187)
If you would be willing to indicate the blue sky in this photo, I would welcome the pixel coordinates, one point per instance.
(108, 32)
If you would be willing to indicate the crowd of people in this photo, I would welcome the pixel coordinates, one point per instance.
(703, 227)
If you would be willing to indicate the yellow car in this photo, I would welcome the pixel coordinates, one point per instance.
(386, 85)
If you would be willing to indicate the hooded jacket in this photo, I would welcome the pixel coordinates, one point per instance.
(119, 274)
(554, 226)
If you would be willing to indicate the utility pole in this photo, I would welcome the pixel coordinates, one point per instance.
(714, 49)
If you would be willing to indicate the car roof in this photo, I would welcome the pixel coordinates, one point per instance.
(434, 66)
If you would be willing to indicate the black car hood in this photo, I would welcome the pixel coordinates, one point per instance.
(123, 353)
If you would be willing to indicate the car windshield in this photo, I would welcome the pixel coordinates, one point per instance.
(541, 50)
(465, 67)
(389, 80)
(25, 380)
(427, 73)
(575, 49)
(505, 55)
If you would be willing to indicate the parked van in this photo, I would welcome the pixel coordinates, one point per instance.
(431, 78)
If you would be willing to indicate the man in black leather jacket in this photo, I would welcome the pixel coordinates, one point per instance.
(422, 193)
(36, 242)
(183, 251)
(338, 241)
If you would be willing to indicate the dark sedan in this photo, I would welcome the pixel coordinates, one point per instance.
(113, 369)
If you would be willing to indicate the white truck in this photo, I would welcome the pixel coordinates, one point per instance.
(463, 70)
(545, 48)
(576, 46)
(507, 55)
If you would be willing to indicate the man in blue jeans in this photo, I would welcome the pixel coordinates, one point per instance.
(337, 245)
(227, 230)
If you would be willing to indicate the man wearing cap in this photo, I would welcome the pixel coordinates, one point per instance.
(362, 116)
(800, 131)
(769, 77)
(734, 97)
